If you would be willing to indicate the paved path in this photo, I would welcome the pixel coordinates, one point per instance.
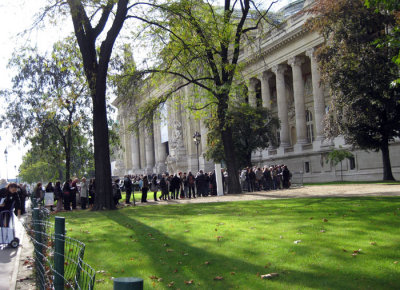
(347, 190)
(9, 260)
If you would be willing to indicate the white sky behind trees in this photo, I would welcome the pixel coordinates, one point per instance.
(16, 17)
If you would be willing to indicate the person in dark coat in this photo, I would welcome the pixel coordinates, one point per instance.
(23, 193)
(58, 195)
(164, 188)
(50, 188)
(128, 188)
(9, 198)
(145, 188)
(252, 180)
(201, 184)
(285, 177)
(175, 185)
(67, 191)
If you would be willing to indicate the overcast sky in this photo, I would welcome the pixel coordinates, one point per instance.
(17, 16)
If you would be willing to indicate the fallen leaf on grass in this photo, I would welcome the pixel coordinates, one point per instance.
(395, 262)
(218, 278)
(189, 282)
(207, 263)
(176, 270)
(186, 231)
(324, 220)
(169, 250)
(322, 231)
(269, 276)
(373, 243)
(132, 259)
(186, 254)
(354, 254)
(219, 237)
(165, 245)
(179, 263)
(233, 273)
(100, 281)
(344, 250)
(160, 279)
(170, 284)
(297, 242)
(153, 277)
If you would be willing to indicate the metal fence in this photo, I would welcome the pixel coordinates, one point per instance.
(58, 259)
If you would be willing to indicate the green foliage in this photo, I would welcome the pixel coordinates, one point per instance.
(337, 156)
(252, 129)
(365, 105)
(392, 38)
(49, 107)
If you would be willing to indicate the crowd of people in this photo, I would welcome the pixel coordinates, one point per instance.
(12, 197)
(180, 185)
(187, 185)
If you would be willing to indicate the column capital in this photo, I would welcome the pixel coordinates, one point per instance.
(279, 68)
(266, 75)
(296, 61)
(310, 52)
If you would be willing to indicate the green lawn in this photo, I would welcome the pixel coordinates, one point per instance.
(240, 241)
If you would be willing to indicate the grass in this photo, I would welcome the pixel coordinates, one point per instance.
(240, 241)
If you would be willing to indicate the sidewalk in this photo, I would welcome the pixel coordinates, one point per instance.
(10, 258)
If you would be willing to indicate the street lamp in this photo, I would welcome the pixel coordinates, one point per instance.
(196, 139)
(6, 154)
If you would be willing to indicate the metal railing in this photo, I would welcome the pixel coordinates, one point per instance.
(58, 259)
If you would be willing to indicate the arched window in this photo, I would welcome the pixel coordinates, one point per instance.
(310, 126)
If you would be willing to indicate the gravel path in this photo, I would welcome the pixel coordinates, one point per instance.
(306, 191)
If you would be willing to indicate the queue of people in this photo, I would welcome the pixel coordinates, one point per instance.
(12, 197)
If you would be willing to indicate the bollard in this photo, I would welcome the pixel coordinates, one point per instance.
(128, 283)
(59, 233)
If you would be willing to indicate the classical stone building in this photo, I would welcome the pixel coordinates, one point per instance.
(282, 75)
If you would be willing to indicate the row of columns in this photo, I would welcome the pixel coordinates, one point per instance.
(299, 98)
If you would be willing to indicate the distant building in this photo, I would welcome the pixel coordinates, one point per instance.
(283, 75)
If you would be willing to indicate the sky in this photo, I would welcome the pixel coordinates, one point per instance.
(16, 17)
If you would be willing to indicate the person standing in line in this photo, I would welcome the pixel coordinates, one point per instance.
(145, 188)
(185, 185)
(92, 189)
(191, 181)
(84, 192)
(128, 188)
(67, 191)
(116, 191)
(201, 184)
(10, 197)
(154, 187)
(23, 193)
(175, 185)
(58, 196)
(74, 191)
(164, 188)
(38, 193)
(50, 188)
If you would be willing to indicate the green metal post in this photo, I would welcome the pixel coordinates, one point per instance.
(128, 283)
(38, 244)
(59, 233)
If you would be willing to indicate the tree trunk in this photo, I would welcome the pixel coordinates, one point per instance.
(387, 168)
(230, 158)
(104, 198)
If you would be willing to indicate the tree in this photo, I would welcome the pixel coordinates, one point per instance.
(47, 104)
(199, 44)
(252, 129)
(336, 156)
(365, 107)
(392, 37)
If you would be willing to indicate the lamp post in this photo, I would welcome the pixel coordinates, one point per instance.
(6, 154)
(196, 139)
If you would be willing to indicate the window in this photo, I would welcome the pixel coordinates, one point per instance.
(310, 126)
(307, 167)
(352, 163)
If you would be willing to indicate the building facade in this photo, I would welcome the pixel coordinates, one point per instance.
(282, 74)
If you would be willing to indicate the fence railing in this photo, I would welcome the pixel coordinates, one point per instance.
(58, 259)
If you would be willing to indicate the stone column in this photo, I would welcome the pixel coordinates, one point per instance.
(265, 90)
(142, 145)
(318, 93)
(299, 102)
(160, 150)
(135, 152)
(279, 71)
(252, 93)
(149, 139)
